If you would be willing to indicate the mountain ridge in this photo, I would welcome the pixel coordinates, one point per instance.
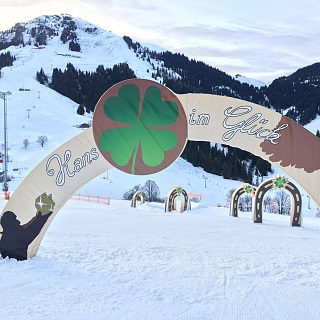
(76, 38)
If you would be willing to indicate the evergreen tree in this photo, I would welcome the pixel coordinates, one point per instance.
(41, 77)
(80, 110)
(6, 59)
(74, 46)
(87, 87)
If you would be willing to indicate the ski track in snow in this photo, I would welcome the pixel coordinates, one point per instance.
(118, 262)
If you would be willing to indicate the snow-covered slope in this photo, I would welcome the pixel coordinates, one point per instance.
(34, 110)
(249, 81)
(116, 262)
(98, 46)
(55, 116)
(314, 125)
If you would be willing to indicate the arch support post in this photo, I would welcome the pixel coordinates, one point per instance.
(171, 198)
(235, 197)
(140, 195)
(45, 190)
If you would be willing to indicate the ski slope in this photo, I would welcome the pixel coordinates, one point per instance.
(116, 262)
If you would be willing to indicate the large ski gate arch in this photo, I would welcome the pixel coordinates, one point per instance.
(156, 124)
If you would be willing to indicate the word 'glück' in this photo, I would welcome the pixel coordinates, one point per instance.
(251, 126)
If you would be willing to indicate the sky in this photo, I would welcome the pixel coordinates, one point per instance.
(258, 39)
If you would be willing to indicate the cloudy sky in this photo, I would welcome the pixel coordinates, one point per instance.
(261, 39)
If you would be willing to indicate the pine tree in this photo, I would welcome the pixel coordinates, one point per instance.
(80, 110)
(41, 77)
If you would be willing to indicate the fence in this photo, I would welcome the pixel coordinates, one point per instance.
(96, 199)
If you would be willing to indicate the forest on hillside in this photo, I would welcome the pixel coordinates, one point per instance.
(85, 88)
(6, 60)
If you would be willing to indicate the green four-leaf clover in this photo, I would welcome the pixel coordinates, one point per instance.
(247, 188)
(140, 127)
(179, 191)
(280, 182)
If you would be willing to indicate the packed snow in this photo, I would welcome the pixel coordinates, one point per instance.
(116, 262)
(101, 261)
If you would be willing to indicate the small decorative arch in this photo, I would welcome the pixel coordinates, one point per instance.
(171, 200)
(139, 194)
(235, 197)
(279, 182)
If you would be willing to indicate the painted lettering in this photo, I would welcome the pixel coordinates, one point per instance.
(254, 125)
(203, 118)
(60, 179)
(94, 153)
(191, 115)
(63, 167)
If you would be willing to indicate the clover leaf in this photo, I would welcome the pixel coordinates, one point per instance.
(247, 188)
(139, 126)
(280, 182)
(179, 191)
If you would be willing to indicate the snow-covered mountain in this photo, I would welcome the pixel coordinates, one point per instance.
(250, 81)
(42, 44)
(34, 109)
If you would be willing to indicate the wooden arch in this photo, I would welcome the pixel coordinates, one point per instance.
(234, 201)
(140, 195)
(171, 200)
(279, 182)
(202, 117)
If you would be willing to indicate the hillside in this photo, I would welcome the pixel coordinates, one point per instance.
(55, 116)
(297, 95)
(81, 61)
(34, 109)
(65, 39)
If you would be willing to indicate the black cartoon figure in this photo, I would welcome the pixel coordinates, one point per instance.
(16, 237)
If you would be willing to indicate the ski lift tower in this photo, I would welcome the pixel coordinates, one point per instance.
(3, 96)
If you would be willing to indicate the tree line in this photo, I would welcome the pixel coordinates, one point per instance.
(83, 87)
(298, 95)
(228, 162)
(6, 60)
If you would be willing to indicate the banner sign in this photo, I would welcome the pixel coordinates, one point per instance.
(141, 127)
